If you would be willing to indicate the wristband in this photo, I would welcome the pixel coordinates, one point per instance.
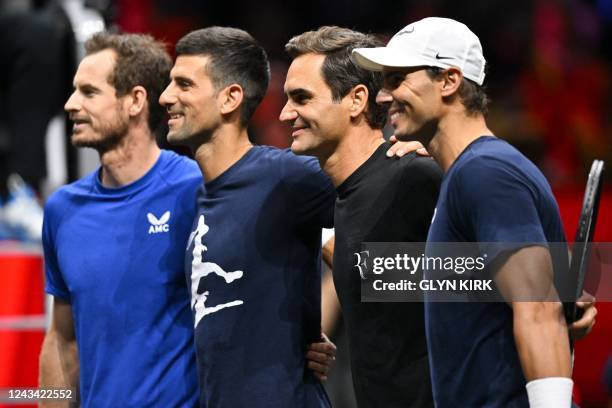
(550, 392)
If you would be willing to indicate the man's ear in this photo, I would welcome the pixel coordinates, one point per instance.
(136, 100)
(230, 98)
(451, 80)
(358, 98)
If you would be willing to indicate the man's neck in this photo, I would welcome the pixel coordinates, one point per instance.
(454, 134)
(222, 151)
(131, 159)
(354, 149)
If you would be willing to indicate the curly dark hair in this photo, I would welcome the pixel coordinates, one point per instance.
(473, 96)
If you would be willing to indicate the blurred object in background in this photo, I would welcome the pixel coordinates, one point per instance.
(41, 44)
(32, 78)
(22, 214)
(265, 127)
(31, 70)
(22, 319)
(565, 90)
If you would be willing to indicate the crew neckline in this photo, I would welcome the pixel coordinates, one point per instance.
(211, 185)
(345, 185)
(133, 186)
(478, 140)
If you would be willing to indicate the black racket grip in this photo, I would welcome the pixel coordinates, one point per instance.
(579, 313)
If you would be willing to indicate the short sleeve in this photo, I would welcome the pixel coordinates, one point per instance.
(496, 203)
(54, 281)
(311, 194)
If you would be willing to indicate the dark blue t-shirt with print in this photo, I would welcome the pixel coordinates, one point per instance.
(253, 263)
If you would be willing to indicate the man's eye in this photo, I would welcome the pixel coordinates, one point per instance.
(394, 80)
(301, 99)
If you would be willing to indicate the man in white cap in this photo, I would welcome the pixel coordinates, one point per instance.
(481, 354)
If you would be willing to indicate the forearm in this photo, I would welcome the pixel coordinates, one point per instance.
(59, 365)
(330, 307)
(327, 252)
(540, 333)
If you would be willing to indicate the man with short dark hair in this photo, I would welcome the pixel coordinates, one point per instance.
(481, 354)
(114, 241)
(253, 258)
(334, 116)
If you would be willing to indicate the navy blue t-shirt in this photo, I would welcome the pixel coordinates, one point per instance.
(491, 194)
(253, 262)
(116, 254)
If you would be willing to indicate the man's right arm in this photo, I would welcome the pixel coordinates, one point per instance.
(59, 360)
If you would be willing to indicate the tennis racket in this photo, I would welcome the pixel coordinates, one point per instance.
(584, 237)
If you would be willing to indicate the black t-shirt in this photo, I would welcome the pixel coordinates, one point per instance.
(384, 200)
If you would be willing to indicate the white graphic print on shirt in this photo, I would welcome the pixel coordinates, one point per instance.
(200, 269)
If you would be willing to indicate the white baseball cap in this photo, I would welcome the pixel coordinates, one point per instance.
(432, 42)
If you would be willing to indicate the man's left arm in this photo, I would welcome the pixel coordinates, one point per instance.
(310, 192)
(500, 209)
(312, 197)
(540, 331)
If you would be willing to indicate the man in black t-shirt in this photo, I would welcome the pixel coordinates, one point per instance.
(333, 112)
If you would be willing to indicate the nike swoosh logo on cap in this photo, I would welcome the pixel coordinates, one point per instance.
(406, 31)
(439, 57)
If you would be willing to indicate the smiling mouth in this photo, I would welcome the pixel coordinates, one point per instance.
(173, 117)
(394, 115)
(296, 131)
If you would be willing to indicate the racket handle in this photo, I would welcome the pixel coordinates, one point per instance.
(579, 313)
